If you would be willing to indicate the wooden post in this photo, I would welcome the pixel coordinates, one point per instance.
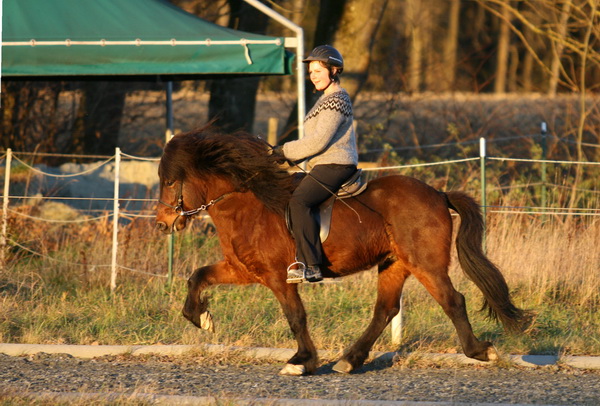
(272, 131)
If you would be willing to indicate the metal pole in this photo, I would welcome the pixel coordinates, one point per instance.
(170, 133)
(3, 241)
(113, 274)
(170, 126)
(544, 158)
(482, 153)
(299, 45)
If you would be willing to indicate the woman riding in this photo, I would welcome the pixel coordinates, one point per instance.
(329, 147)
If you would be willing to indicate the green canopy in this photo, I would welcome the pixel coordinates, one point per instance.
(127, 37)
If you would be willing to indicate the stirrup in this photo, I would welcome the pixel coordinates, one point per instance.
(296, 275)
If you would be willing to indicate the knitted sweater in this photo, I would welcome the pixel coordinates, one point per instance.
(329, 134)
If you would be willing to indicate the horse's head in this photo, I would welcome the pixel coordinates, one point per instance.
(201, 167)
(169, 211)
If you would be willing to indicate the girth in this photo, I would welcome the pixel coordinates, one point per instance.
(352, 187)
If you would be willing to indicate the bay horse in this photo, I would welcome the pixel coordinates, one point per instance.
(405, 229)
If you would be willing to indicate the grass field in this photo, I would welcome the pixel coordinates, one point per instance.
(551, 267)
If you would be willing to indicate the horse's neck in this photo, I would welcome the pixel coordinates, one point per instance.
(238, 207)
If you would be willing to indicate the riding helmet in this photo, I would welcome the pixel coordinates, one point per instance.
(326, 54)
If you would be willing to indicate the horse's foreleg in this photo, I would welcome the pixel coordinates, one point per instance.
(389, 288)
(453, 303)
(305, 359)
(195, 307)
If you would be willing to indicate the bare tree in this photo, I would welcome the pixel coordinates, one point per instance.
(96, 128)
(503, 52)
(351, 27)
(354, 37)
(575, 39)
(557, 53)
(233, 100)
(451, 46)
(29, 119)
(414, 28)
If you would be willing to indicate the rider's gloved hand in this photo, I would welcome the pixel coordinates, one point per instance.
(278, 154)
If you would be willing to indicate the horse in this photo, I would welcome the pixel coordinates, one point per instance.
(399, 224)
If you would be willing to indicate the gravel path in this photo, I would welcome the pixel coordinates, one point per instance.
(231, 378)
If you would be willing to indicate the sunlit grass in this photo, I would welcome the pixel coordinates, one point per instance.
(551, 269)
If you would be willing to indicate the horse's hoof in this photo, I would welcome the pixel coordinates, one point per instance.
(293, 370)
(206, 322)
(343, 367)
(492, 354)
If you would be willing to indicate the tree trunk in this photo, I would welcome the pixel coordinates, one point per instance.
(558, 48)
(415, 56)
(351, 27)
(96, 129)
(451, 46)
(233, 101)
(503, 53)
(29, 119)
(354, 39)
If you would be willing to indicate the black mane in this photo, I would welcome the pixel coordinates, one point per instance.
(241, 158)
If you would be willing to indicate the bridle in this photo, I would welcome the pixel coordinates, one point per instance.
(186, 213)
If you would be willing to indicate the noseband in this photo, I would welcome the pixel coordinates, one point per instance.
(179, 206)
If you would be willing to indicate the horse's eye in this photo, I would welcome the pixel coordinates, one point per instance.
(170, 183)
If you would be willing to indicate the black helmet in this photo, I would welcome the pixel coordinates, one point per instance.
(326, 54)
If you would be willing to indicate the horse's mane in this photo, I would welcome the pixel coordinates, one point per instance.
(241, 158)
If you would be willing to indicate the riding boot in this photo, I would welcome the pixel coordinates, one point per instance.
(313, 273)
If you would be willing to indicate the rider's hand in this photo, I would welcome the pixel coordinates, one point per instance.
(278, 154)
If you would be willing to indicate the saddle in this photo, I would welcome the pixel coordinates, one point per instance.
(352, 187)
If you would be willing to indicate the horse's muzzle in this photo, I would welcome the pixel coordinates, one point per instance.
(178, 224)
(163, 227)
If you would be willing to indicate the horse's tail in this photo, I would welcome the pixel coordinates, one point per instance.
(479, 268)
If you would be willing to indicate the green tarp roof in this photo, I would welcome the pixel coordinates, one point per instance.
(127, 37)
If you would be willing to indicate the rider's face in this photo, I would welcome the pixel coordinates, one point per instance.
(319, 75)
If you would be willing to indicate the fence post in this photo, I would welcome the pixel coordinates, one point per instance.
(272, 130)
(482, 153)
(544, 158)
(115, 242)
(3, 241)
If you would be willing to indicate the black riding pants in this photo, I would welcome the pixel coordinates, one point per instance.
(308, 196)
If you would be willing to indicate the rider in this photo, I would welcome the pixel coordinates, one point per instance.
(329, 147)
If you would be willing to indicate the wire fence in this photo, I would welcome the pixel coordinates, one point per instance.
(140, 207)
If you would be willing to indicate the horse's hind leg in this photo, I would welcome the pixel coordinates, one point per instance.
(453, 302)
(389, 287)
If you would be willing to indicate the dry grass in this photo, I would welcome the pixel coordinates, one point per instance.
(551, 267)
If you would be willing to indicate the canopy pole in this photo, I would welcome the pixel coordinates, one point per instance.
(299, 45)
(169, 134)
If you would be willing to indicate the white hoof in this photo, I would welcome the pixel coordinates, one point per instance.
(492, 354)
(293, 370)
(343, 367)
(206, 322)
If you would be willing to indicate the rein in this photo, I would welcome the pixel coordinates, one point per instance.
(332, 193)
(179, 207)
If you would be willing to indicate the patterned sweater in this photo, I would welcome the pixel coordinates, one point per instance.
(329, 134)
